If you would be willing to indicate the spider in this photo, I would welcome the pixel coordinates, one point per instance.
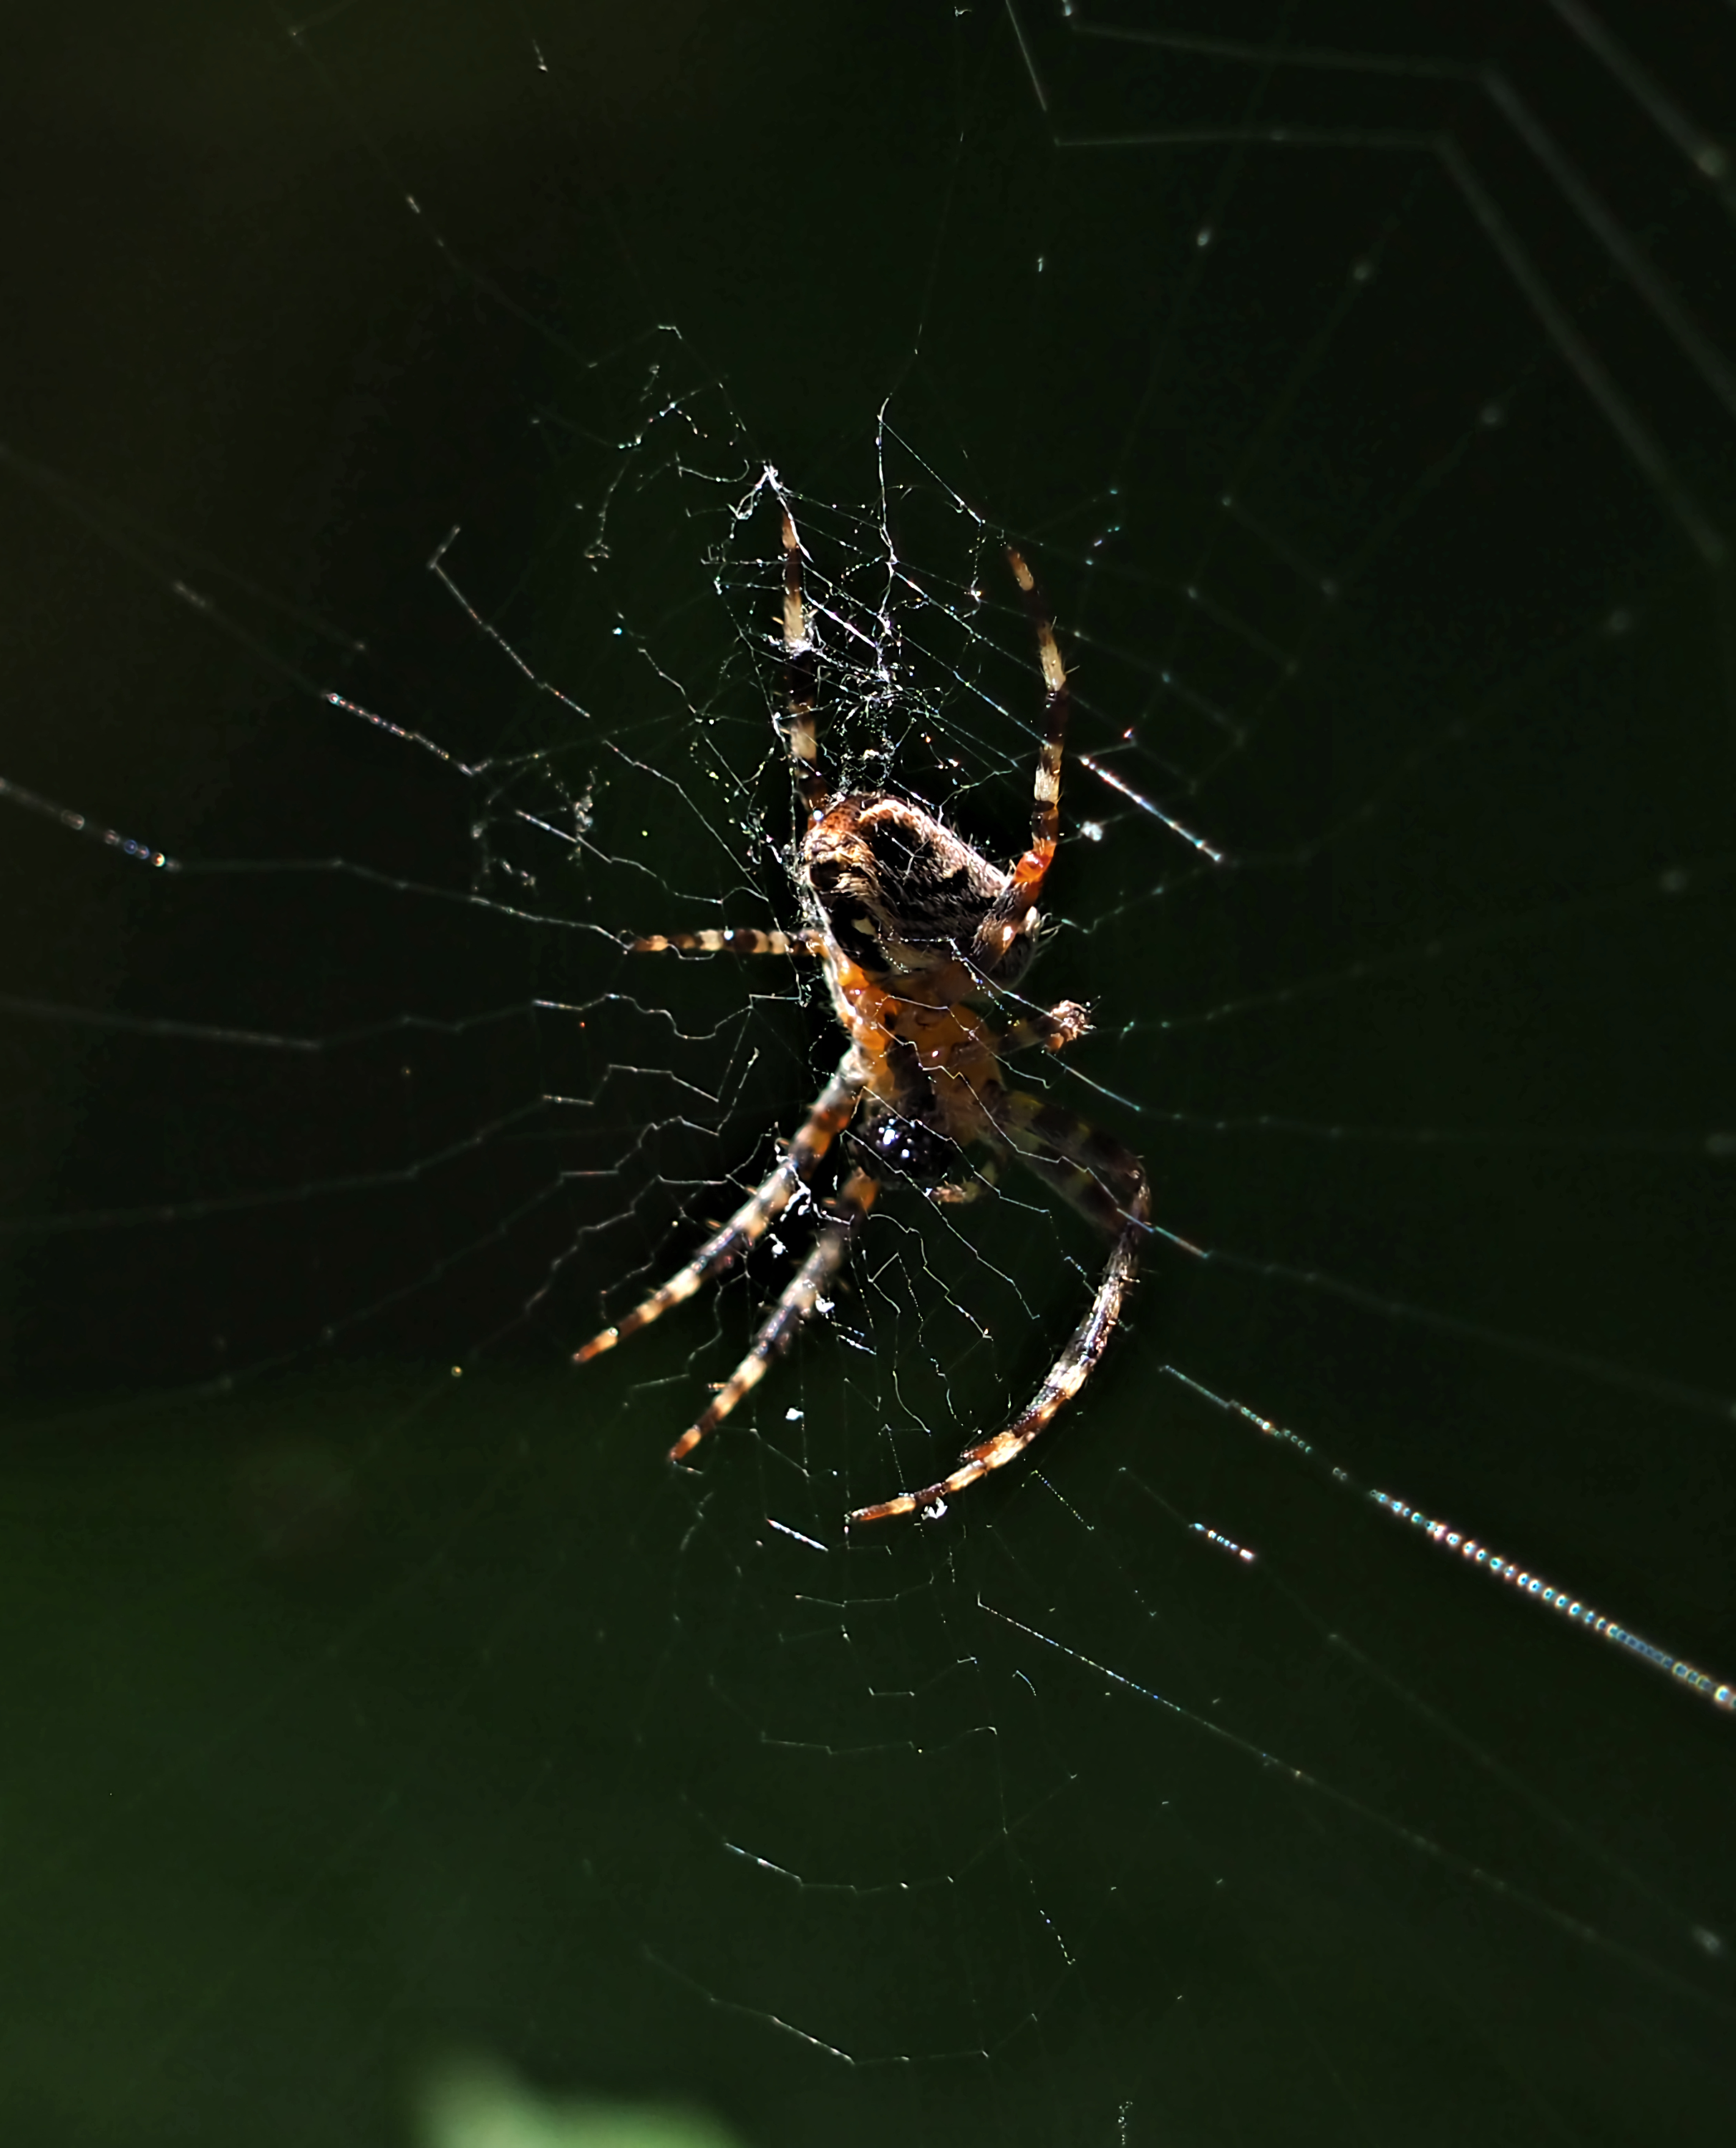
(915, 930)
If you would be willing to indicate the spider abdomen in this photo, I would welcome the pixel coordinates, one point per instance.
(897, 889)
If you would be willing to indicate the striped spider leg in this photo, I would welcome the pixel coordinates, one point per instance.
(1106, 1183)
(730, 1245)
(917, 932)
(830, 1114)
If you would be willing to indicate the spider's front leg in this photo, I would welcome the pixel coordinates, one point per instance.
(755, 1215)
(848, 1211)
(1107, 1183)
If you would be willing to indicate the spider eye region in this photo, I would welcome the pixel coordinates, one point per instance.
(909, 1148)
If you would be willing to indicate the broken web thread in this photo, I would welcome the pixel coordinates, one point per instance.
(1475, 1553)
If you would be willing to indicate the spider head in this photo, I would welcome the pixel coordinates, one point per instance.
(906, 1147)
(900, 894)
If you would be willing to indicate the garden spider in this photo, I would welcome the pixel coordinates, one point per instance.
(913, 927)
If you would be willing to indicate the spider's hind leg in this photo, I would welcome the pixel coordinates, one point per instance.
(801, 672)
(1004, 923)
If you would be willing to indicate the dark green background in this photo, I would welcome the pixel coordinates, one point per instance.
(357, 1715)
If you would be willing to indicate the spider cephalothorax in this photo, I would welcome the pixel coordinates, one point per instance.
(918, 933)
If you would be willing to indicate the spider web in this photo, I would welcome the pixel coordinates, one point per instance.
(1322, 1733)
